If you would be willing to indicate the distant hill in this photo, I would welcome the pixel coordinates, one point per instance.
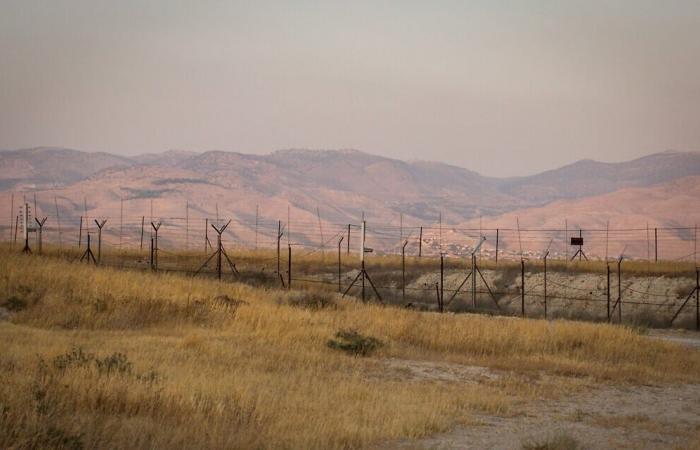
(343, 184)
(46, 166)
(587, 177)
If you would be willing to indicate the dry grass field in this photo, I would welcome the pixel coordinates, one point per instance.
(118, 358)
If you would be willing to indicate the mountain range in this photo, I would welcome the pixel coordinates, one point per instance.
(334, 187)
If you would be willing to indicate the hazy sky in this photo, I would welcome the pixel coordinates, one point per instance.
(504, 88)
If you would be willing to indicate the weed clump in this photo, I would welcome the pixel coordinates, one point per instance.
(561, 441)
(114, 364)
(310, 300)
(350, 341)
(14, 304)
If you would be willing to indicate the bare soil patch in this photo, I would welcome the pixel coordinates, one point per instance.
(633, 417)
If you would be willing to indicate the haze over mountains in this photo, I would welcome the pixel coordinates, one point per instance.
(663, 188)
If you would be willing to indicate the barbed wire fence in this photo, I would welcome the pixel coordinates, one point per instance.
(657, 296)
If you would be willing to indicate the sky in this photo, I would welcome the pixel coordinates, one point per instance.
(503, 88)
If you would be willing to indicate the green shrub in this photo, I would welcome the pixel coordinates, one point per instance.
(352, 342)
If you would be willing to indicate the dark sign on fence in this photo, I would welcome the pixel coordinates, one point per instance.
(577, 241)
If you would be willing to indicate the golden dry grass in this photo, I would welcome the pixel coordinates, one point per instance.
(206, 372)
(315, 262)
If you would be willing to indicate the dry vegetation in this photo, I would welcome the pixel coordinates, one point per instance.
(103, 357)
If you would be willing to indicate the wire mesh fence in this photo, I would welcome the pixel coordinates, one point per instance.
(425, 267)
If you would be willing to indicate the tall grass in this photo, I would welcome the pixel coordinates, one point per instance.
(200, 363)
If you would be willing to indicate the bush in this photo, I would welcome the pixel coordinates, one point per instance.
(15, 304)
(352, 342)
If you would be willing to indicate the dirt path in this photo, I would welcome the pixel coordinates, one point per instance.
(647, 417)
(609, 417)
(682, 337)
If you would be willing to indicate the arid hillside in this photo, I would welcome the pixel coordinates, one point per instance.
(320, 192)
